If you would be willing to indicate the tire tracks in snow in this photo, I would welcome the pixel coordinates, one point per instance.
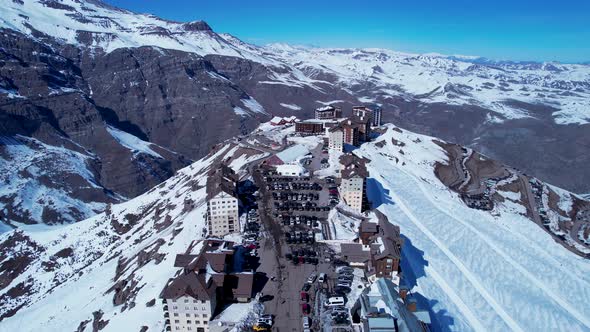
(510, 322)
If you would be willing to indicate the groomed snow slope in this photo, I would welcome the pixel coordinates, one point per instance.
(478, 271)
(73, 271)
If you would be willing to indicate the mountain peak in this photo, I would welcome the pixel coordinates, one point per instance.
(197, 26)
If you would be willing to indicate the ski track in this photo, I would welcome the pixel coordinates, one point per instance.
(466, 272)
(459, 263)
(558, 299)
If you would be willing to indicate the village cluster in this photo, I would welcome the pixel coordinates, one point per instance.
(288, 264)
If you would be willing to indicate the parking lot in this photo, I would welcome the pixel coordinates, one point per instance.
(290, 255)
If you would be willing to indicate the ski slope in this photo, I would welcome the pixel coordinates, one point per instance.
(481, 272)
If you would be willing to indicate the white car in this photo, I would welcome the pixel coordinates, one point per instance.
(265, 321)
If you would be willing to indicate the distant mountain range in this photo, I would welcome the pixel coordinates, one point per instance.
(100, 87)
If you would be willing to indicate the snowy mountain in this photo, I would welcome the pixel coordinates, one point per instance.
(108, 267)
(76, 71)
(480, 270)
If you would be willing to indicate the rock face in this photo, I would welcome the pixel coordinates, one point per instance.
(61, 102)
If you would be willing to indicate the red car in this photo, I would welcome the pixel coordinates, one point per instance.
(304, 297)
(305, 308)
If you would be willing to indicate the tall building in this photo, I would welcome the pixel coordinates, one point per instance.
(373, 113)
(222, 202)
(353, 186)
(351, 133)
(328, 112)
(363, 123)
(207, 280)
(336, 138)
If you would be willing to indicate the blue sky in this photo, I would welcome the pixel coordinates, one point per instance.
(501, 29)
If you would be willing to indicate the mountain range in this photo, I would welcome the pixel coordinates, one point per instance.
(99, 104)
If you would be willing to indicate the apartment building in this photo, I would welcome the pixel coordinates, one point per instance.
(336, 138)
(309, 127)
(363, 125)
(353, 184)
(373, 113)
(205, 281)
(222, 202)
(328, 112)
(351, 134)
(189, 301)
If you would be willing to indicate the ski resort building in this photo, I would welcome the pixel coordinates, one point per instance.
(381, 308)
(373, 113)
(291, 170)
(280, 121)
(309, 127)
(351, 134)
(328, 112)
(378, 250)
(288, 156)
(353, 186)
(222, 202)
(363, 125)
(336, 138)
(205, 281)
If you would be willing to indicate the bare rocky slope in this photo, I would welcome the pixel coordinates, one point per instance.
(70, 70)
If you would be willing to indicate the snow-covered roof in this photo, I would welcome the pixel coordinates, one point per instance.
(276, 119)
(293, 153)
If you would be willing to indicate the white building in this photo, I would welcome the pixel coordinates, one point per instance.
(352, 192)
(189, 300)
(336, 138)
(353, 185)
(222, 202)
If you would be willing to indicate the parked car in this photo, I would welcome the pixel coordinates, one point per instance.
(264, 321)
(322, 278)
(304, 296)
(334, 301)
(305, 308)
(306, 322)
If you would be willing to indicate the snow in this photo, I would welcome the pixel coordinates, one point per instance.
(293, 153)
(82, 283)
(132, 143)
(253, 105)
(429, 78)
(23, 167)
(291, 106)
(341, 226)
(475, 267)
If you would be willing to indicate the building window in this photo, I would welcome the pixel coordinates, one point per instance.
(176, 321)
(188, 315)
(176, 314)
